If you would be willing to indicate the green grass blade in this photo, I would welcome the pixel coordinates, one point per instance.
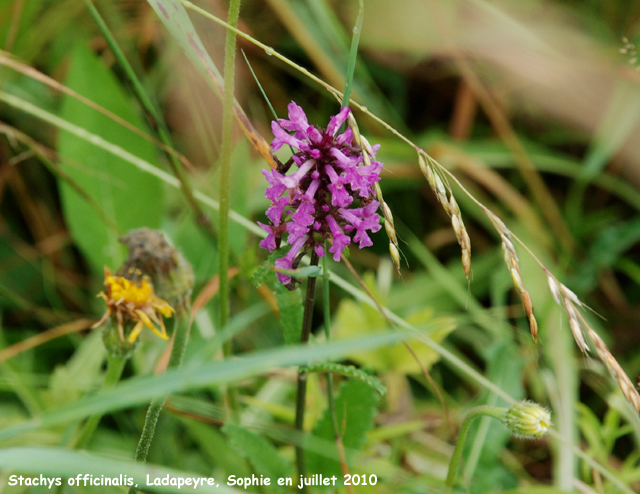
(142, 390)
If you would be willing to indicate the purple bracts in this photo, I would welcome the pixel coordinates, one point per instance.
(312, 203)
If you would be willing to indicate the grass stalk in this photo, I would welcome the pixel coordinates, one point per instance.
(225, 184)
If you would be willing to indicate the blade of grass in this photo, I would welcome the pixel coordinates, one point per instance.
(142, 390)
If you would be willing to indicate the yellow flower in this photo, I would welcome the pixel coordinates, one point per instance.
(135, 301)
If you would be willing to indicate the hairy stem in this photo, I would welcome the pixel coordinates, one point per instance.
(330, 399)
(302, 373)
(181, 337)
(486, 411)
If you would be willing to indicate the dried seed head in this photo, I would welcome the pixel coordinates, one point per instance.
(576, 329)
(453, 206)
(533, 327)
(554, 289)
(391, 233)
(465, 242)
(517, 280)
(395, 255)
(627, 388)
(570, 295)
(466, 263)
(366, 146)
(426, 171)
(455, 222)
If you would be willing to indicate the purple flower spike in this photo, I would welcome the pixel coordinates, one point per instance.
(312, 203)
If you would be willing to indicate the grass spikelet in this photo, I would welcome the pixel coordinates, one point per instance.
(626, 386)
(389, 227)
(450, 205)
(513, 264)
(574, 324)
(564, 297)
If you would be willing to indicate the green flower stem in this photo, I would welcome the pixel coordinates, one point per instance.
(485, 411)
(155, 118)
(181, 330)
(115, 366)
(302, 373)
(225, 185)
(327, 333)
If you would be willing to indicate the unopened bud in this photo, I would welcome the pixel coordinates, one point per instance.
(528, 420)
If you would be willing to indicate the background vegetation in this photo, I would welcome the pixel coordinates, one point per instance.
(530, 104)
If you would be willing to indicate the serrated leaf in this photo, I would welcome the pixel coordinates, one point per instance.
(266, 270)
(355, 409)
(262, 455)
(129, 196)
(291, 312)
(350, 371)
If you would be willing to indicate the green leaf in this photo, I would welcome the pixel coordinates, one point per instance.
(264, 457)
(355, 409)
(129, 196)
(263, 272)
(350, 371)
(291, 312)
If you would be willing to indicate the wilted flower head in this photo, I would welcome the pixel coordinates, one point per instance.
(528, 420)
(134, 302)
(328, 196)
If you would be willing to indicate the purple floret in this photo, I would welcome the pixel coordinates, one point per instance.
(312, 203)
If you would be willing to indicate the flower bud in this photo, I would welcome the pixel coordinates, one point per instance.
(528, 420)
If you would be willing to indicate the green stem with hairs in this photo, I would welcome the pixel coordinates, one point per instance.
(181, 330)
(115, 366)
(225, 186)
(327, 333)
(302, 373)
(485, 411)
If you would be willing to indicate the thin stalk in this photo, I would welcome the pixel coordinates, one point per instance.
(155, 118)
(330, 399)
(182, 328)
(302, 374)
(225, 182)
(353, 53)
(486, 411)
(327, 333)
(115, 366)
